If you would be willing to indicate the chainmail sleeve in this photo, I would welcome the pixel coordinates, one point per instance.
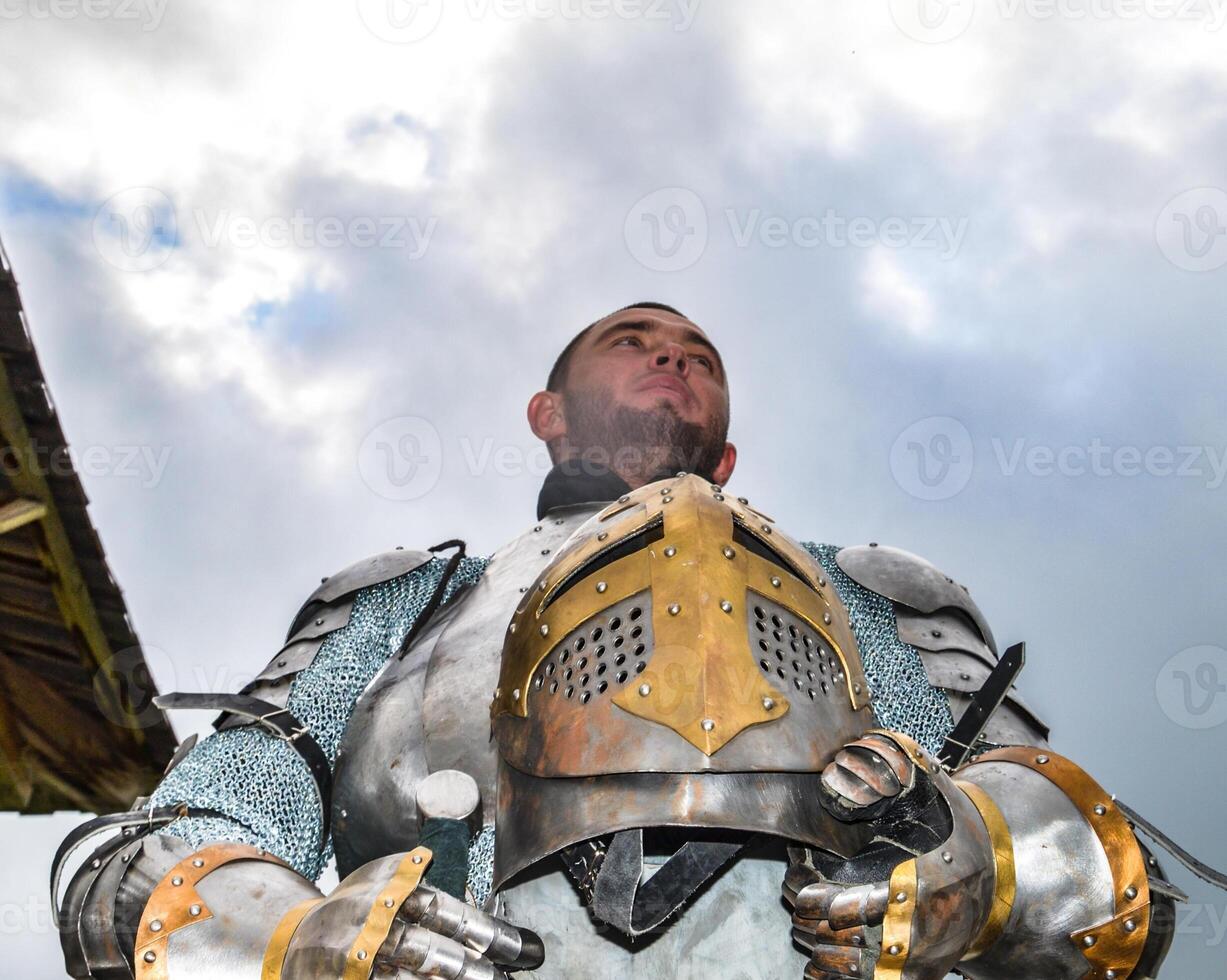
(903, 699)
(259, 782)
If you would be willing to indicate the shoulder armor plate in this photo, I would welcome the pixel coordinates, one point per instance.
(370, 571)
(911, 581)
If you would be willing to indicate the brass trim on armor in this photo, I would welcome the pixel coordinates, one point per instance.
(897, 926)
(279, 944)
(1003, 866)
(1115, 945)
(703, 680)
(408, 875)
(174, 903)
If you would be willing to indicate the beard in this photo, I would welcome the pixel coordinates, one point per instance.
(638, 444)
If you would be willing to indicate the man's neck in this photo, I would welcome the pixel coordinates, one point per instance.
(582, 481)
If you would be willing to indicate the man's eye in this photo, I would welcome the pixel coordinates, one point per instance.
(632, 339)
(702, 359)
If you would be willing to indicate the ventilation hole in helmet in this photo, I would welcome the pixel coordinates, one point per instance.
(602, 687)
(597, 633)
(615, 623)
(621, 678)
(639, 667)
(570, 692)
(635, 613)
(585, 697)
(580, 643)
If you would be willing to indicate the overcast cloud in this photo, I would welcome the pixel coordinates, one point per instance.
(293, 271)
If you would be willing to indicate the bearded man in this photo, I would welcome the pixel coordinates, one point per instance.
(609, 748)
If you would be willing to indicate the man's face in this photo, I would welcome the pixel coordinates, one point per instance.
(645, 392)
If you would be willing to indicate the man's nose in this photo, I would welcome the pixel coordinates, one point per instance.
(672, 356)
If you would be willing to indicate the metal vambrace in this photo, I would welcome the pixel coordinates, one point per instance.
(1071, 899)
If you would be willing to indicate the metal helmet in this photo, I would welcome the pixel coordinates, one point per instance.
(679, 662)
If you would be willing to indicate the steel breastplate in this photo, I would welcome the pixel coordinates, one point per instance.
(430, 710)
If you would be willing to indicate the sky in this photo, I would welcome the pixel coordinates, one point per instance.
(294, 269)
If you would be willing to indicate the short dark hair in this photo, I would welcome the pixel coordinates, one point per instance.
(558, 373)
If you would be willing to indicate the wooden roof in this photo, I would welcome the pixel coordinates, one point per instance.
(77, 729)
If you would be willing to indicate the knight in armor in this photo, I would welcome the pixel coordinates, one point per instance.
(609, 748)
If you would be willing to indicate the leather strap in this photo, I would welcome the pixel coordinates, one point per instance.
(149, 819)
(1199, 868)
(278, 722)
(619, 899)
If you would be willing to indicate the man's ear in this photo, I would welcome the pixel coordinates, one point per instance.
(724, 469)
(546, 417)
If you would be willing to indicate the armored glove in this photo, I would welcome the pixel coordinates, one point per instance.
(1021, 868)
(863, 918)
(382, 916)
(233, 910)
